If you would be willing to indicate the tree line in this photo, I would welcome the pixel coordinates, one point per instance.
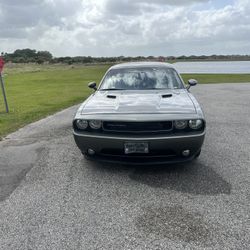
(40, 57)
(28, 56)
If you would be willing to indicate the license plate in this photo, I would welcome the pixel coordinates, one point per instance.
(136, 147)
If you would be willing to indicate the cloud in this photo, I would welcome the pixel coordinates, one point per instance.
(126, 27)
(135, 7)
(19, 16)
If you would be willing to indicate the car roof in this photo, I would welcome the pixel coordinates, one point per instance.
(142, 64)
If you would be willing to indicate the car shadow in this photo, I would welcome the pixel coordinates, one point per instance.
(193, 178)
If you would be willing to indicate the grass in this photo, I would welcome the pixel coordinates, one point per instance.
(35, 91)
(36, 94)
(218, 78)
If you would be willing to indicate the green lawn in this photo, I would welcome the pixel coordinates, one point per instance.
(35, 91)
(33, 95)
(218, 78)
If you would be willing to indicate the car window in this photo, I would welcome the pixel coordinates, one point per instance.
(142, 79)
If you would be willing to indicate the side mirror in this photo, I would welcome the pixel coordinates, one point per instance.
(92, 85)
(192, 82)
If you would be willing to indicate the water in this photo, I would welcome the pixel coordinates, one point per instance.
(228, 67)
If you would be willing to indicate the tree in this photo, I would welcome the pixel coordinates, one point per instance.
(25, 53)
(44, 56)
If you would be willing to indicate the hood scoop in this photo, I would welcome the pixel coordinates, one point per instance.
(166, 95)
(111, 96)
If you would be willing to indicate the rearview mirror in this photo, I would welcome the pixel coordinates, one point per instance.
(92, 85)
(192, 82)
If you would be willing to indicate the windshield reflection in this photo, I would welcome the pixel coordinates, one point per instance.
(141, 79)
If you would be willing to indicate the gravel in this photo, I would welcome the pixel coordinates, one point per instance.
(52, 198)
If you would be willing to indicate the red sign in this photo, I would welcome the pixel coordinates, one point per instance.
(1, 64)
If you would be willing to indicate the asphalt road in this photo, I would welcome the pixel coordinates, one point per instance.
(52, 198)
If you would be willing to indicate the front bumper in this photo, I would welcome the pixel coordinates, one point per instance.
(162, 149)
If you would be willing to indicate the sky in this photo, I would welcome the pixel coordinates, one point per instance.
(126, 27)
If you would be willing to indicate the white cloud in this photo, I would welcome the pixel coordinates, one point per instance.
(125, 27)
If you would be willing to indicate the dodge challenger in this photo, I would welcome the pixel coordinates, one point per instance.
(141, 113)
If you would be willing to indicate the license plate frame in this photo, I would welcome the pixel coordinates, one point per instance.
(141, 147)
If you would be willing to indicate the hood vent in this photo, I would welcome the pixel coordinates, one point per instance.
(167, 96)
(111, 96)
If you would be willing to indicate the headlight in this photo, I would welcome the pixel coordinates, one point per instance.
(81, 124)
(95, 124)
(195, 124)
(181, 124)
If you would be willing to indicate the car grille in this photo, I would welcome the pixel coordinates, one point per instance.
(137, 127)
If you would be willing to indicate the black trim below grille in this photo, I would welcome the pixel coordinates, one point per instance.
(138, 127)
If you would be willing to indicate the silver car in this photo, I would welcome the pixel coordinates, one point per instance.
(141, 113)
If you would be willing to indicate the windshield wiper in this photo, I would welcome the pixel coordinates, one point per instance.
(111, 89)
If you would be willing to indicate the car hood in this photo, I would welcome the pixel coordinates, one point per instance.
(141, 102)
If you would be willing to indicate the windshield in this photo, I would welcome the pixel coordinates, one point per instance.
(141, 79)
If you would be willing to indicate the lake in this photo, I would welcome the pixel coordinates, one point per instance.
(214, 67)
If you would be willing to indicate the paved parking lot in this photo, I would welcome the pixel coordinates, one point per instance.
(52, 198)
